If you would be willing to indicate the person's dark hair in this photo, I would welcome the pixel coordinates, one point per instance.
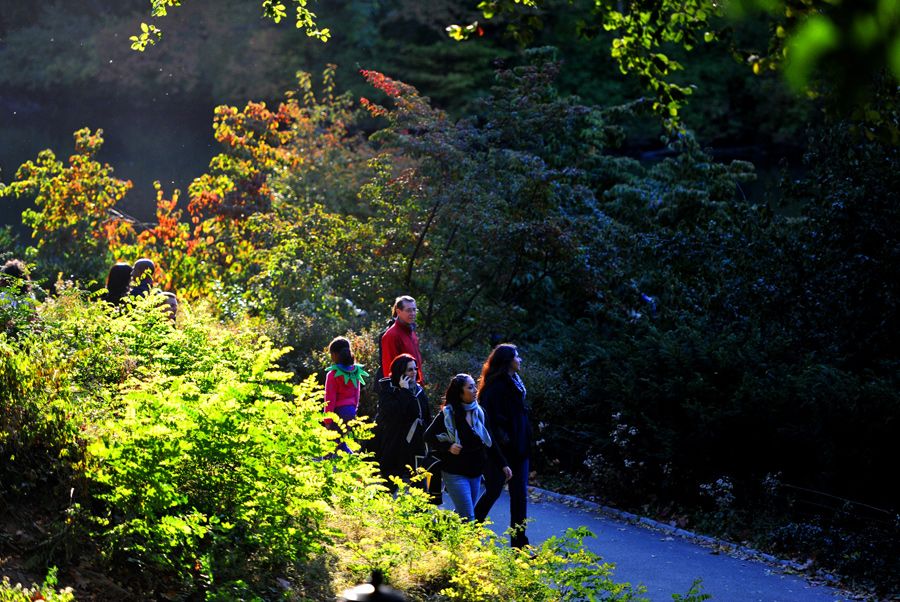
(399, 302)
(339, 348)
(118, 281)
(141, 267)
(453, 396)
(497, 364)
(398, 367)
(14, 272)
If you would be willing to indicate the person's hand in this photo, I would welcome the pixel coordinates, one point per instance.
(507, 472)
(455, 449)
(405, 382)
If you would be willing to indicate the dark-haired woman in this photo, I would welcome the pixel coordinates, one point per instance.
(502, 394)
(461, 437)
(343, 380)
(403, 413)
(118, 283)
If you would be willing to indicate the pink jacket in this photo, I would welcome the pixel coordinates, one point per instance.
(339, 393)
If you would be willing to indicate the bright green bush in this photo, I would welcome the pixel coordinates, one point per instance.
(433, 555)
(46, 591)
(197, 465)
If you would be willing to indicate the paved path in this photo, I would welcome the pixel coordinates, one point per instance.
(663, 562)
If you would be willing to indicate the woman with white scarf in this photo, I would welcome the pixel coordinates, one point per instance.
(460, 436)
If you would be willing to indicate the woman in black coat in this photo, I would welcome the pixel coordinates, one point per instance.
(403, 413)
(502, 395)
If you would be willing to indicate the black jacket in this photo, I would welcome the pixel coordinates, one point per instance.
(398, 410)
(507, 415)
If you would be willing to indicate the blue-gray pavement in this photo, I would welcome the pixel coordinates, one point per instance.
(665, 562)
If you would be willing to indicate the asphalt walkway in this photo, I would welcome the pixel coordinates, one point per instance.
(665, 562)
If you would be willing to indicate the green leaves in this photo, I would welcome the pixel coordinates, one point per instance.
(271, 9)
(817, 36)
(274, 11)
(70, 222)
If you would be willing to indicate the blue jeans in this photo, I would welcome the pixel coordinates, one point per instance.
(346, 413)
(464, 491)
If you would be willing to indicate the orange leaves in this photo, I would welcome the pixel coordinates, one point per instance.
(73, 202)
(87, 143)
(374, 109)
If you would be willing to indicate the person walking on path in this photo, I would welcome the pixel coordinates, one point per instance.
(460, 435)
(502, 395)
(403, 412)
(401, 336)
(343, 380)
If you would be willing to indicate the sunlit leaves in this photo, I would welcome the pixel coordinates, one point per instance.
(847, 42)
(271, 9)
(71, 221)
(150, 34)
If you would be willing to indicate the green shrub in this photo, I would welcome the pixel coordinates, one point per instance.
(46, 591)
(433, 555)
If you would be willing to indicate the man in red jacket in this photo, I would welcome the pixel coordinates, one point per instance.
(401, 336)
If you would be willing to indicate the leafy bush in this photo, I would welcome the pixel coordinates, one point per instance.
(432, 554)
(200, 468)
(46, 591)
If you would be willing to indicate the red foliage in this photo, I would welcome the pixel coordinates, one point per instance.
(382, 82)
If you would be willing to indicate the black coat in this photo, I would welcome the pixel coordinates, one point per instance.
(398, 410)
(504, 405)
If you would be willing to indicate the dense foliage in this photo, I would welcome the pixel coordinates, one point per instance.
(839, 48)
(722, 362)
(182, 463)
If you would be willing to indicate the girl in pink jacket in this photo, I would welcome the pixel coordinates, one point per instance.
(343, 380)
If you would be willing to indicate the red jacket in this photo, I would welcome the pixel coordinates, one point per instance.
(400, 338)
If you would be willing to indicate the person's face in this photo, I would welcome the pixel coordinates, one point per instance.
(411, 371)
(516, 363)
(468, 391)
(407, 315)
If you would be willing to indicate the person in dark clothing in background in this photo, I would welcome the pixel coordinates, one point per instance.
(118, 283)
(461, 437)
(403, 413)
(14, 276)
(502, 395)
(142, 274)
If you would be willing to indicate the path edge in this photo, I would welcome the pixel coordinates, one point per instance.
(727, 547)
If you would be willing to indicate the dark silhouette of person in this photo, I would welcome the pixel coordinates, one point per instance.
(14, 276)
(502, 395)
(118, 283)
(142, 274)
(171, 302)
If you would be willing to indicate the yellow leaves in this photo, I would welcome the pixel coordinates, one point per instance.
(149, 35)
